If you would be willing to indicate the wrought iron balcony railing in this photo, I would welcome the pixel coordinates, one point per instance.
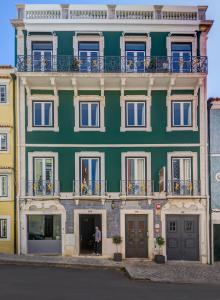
(112, 64)
(42, 188)
(90, 187)
(183, 187)
(137, 187)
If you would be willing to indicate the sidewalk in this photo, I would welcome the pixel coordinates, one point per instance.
(174, 272)
(59, 261)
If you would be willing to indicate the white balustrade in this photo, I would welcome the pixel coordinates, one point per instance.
(179, 15)
(138, 15)
(43, 14)
(88, 14)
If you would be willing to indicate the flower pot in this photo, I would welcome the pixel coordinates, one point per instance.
(117, 257)
(159, 259)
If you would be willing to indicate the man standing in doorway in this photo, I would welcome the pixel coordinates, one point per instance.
(98, 240)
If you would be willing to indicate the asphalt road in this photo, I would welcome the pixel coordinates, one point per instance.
(37, 283)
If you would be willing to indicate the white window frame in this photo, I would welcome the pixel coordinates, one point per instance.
(43, 98)
(8, 173)
(38, 154)
(2, 197)
(181, 113)
(182, 98)
(181, 39)
(5, 131)
(135, 38)
(89, 38)
(89, 114)
(89, 154)
(8, 220)
(182, 154)
(135, 114)
(89, 98)
(136, 98)
(42, 103)
(5, 86)
(133, 154)
(41, 38)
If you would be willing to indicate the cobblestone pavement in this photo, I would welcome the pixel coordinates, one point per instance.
(175, 272)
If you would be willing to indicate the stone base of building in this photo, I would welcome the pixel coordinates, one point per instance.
(66, 227)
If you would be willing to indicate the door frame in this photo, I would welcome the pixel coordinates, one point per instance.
(149, 215)
(203, 238)
(77, 213)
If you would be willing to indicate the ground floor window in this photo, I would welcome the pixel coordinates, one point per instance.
(44, 227)
(3, 228)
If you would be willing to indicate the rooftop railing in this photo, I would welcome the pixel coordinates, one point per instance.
(118, 12)
(112, 64)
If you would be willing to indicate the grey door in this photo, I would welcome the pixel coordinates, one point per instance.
(182, 237)
(136, 236)
(217, 242)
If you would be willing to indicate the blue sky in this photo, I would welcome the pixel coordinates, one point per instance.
(8, 11)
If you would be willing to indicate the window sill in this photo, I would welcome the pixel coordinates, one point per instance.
(100, 129)
(146, 129)
(182, 128)
(55, 129)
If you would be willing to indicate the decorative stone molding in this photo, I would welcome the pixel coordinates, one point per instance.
(172, 38)
(135, 98)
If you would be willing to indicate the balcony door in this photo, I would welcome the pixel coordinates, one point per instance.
(90, 183)
(42, 53)
(181, 57)
(89, 56)
(182, 176)
(136, 176)
(135, 56)
(43, 183)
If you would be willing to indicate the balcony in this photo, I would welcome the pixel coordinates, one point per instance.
(183, 187)
(137, 187)
(90, 188)
(112, 64)
(42, 188)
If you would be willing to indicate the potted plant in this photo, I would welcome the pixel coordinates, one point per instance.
(117, 240)
(159, 258)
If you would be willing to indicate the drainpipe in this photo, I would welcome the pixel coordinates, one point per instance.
(209, 105)
(13, 76)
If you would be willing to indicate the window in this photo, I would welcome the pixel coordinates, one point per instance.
(89, 56)
(42, 56)
(90, 183)
(181, 57)
(3, 228)
(44, 227)
(172, 226)
(3, 142)
(181, 113)
(135, 56)
(89, 114)
(3, 96)
(3, 185)
(43, 179)
(135, 114)
(135, 176)
(42, 114)
(182, 176)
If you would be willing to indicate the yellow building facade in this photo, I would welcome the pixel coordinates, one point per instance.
(7, 160)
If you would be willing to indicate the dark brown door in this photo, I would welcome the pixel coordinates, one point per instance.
(182, 237)
(136, 236)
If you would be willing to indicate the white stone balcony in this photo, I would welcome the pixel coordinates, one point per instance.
(113, 12)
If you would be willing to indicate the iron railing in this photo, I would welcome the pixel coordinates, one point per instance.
(137, 187)
(90, 187)
(112, 64)
(42, 188)
(183, 187)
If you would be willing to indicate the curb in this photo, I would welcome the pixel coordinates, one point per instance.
(59, 265)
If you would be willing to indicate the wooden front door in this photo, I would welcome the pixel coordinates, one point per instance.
(182, 237)
(136, 236)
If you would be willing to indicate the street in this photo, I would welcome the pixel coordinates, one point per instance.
(34, 283)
